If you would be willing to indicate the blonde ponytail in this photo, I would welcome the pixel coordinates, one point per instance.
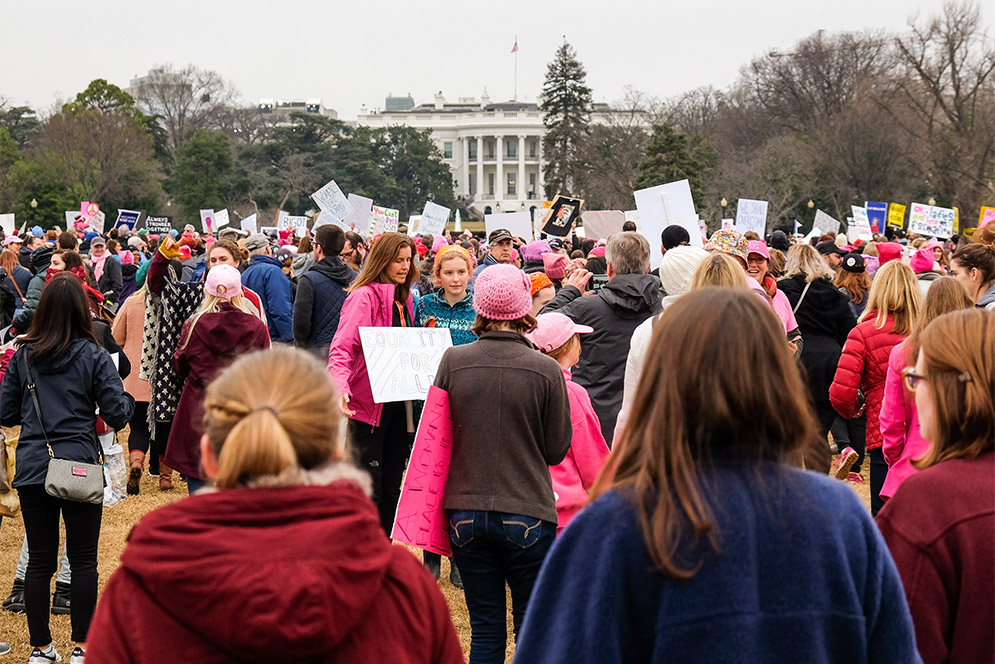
(261, 428)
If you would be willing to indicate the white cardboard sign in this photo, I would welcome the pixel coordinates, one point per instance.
(825, 223)
(751, 215)
(359, 217)
(601, 224)
(331, 199)
(860, 229)
(402, 361)
(518, 224)
(433, 219)
(7, 222)
(298, 223)
(221, 219)
(207, 221)
(663, 205)
(930, 220)
(249, 224)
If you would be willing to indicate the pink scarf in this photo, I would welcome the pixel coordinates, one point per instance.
(98, 264)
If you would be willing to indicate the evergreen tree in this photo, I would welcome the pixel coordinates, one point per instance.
(672, 156)
(202, 177)
(566, 108)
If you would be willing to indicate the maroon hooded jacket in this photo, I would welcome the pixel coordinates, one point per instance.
(299, 574)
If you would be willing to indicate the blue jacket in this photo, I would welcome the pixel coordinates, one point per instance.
(321, 292)
(458, 318)
(803, 575)
(265, 276)
(70, 389)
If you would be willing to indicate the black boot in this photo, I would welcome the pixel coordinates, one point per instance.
(60, 599)
(433, 562)
(15, 600)
(454, 575)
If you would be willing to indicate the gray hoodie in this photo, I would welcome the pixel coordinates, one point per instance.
(988, 299)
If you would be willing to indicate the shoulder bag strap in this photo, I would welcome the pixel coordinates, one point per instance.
(807, 286)
(16, 287)
(30, 384)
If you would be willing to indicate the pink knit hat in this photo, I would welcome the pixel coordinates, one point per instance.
(533, 251)
(922, 261)
(555, 265)
(438, 243)
(502, 292)
(223, 281)
(889, 251)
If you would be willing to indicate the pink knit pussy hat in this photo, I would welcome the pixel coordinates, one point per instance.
(502, 292)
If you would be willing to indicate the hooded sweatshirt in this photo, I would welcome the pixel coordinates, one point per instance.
(215, 342)
(321, 292)
(614, 313)
(988, 299)
(271, 574)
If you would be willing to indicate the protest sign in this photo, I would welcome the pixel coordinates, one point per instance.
(402, 361)
(324, 218)
(359, 217)
(97, 221)
(207, 221)
(420, 520)
(126, 218)
(221, 219)
(930, 220)
(249, 224)
(392, 220)
(269, 231)
(860, 228)
(751, 215)
(7, 223)
(378, 218)
(93, 216)
(413, 222)
(987, 216)
(159, 225)
(727, 224)
(518, 224)
(298, 223)
(600, 224)
(562, 215)
(662, 206)
(896, 215)
(633, 216)
(433, 219)
(331, 199)
(825, 223)
(71, 218)
(876, 215)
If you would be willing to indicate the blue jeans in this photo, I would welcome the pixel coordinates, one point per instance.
(490, 549)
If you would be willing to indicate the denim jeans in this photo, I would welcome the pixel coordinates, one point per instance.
(22, 564)
(491, 549)
(851, 433)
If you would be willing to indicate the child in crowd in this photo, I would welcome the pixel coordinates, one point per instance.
(450, 306)
(559, 337)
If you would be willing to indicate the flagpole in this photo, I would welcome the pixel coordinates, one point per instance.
(516, 67)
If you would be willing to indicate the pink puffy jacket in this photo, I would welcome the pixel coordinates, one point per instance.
(367, 306)
(574, 476)
(901, 441)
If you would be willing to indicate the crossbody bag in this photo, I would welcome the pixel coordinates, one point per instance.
(71, 480)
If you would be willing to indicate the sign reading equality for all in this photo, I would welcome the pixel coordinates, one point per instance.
(930, 220)
(402, 361)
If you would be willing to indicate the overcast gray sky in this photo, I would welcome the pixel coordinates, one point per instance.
(353, 53)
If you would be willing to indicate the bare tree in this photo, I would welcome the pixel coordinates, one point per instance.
(183, 98)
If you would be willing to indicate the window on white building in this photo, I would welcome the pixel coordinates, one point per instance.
(473, 184)
(490, 149)
(533, 149)
(511, 184)
(473, 149)
(532, 185)
(447, 149)
(490, 184)
(511, 149)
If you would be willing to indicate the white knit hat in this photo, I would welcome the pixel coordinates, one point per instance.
(677, 268)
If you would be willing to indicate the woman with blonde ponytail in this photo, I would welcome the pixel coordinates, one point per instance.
(287, 541)
(223, 328)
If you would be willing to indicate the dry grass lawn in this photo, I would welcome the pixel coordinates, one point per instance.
(117, 523)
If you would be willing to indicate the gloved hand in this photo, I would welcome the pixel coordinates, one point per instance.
(169, 248)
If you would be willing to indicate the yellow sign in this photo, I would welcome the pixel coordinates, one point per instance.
(896, 215)
(956, 220)
(547, 204)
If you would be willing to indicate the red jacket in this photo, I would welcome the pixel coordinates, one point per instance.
(299, 573)
(864, 365)
(940, 529)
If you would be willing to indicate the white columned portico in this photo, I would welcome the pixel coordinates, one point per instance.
(499, 177)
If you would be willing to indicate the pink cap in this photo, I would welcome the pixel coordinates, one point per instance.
(554, 330)
(889, 251)
(438, 243)
(11, 238)
(597, 251)
(185, 252)
(223, 281)
(555, 265)
(922, 261)
(758, 247)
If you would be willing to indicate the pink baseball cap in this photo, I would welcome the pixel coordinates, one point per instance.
(758, 247)
(223, 281)
(554, 330)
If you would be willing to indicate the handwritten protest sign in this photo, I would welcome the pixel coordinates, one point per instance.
(359, 217)
(331, 199)
(896, 215)
(249, 224)
(728, 224)
(751, 215)
(325, 218)
(876, 215)
(402, 361)
(519, 224)
(663, 205)
(71, 218)
(392, 220)
(825, 223)
(420, 520)
(930, 220)
(159, 225)
(127, 218)
(207, 221)
(860, 228)
(7, 222)
(433, 219)
(298, 223)
(600, 224)
(378, 217)
(987, 216)
(221, 219)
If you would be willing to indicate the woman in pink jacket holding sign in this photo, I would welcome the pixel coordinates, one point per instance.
(381, 434)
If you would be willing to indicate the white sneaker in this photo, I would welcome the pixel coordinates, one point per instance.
(4, 647)
(78, 655)
(38, 657)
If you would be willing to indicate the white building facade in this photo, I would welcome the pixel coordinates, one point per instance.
(494, 150)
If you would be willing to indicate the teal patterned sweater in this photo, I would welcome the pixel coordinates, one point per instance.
(458, 318)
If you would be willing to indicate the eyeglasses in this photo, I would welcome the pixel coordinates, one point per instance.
(911, 378)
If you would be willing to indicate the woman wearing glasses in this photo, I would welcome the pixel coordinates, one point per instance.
(939, 523)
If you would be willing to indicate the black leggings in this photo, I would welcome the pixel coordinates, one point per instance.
(138, 437)
(383, 452)
(41, 524)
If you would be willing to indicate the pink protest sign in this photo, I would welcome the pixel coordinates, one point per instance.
(420, 520)
(987, 216)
